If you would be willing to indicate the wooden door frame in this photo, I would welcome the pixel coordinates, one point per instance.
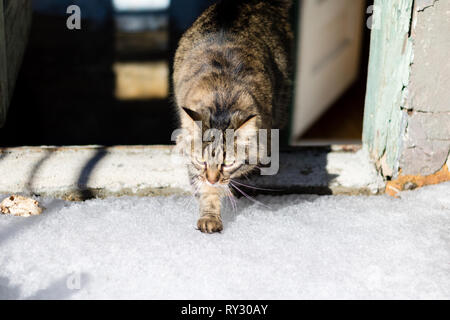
(407, 111)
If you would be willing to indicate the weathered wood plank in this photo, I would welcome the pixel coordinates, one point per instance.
(15, 22)
(389, 70)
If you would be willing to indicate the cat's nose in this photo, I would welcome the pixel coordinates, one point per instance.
(212, 176)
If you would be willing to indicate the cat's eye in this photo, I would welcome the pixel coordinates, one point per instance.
(201, 162)
(228, 163)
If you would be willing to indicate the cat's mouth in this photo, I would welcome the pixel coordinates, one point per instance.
(214, 185)
(218, 184)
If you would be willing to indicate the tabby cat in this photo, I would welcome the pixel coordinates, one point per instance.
(231, 71)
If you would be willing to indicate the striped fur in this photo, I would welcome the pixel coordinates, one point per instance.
(232, 69)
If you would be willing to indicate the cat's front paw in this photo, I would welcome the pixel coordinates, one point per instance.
(210, 224)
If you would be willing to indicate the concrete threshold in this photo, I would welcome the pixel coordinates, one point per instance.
(78, 173)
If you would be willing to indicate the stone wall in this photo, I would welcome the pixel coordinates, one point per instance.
(426, 144)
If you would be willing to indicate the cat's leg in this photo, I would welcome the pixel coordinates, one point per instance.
(209, 200)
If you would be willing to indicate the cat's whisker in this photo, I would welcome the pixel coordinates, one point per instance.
(245, 175)
(253, 187)
(232, 200)
(249, 197)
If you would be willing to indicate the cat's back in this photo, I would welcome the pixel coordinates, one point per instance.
(238, 45)
(259, 27)
(246, 18)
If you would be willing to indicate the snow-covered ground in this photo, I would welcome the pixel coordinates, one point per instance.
(303, 247)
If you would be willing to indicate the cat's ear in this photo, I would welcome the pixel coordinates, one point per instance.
(246, 127)
(247, 122)
(195, 116)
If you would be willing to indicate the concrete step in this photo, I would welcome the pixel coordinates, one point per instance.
(78, 173)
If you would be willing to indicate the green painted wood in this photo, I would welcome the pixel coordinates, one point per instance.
(15, 22)
(389, 69)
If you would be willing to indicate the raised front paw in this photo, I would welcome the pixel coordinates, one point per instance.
(210, 224)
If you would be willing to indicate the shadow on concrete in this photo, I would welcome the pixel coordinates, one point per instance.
(85, 192)
(3, 154)
(30, 182)
(306, 175)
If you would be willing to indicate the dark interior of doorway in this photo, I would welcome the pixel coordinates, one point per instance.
(66, 93)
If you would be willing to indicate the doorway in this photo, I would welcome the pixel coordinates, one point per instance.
(109, 83)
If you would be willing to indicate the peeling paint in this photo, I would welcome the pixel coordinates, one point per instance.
(389, 70)
(407, 120)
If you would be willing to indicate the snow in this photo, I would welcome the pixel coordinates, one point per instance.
(303, 247)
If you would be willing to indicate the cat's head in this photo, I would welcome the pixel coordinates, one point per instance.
(219, 144)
